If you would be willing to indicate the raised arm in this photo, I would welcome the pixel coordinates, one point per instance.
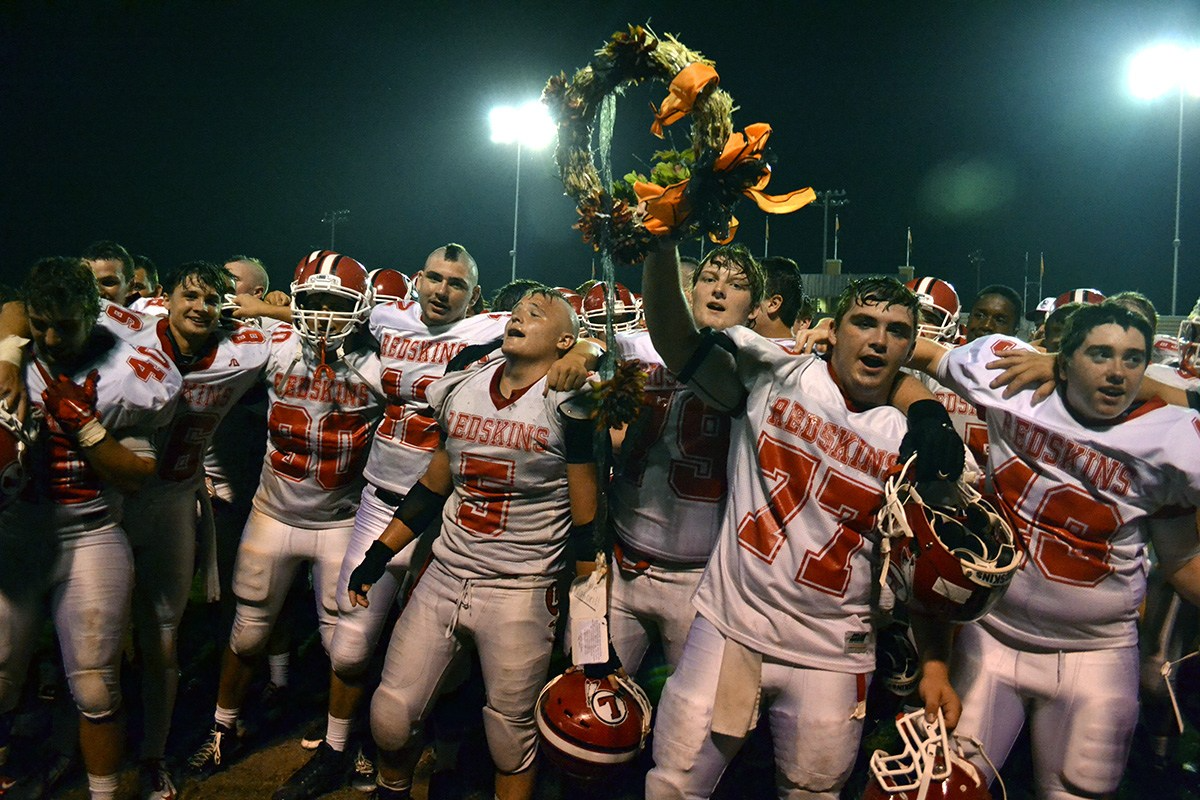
(673, 332)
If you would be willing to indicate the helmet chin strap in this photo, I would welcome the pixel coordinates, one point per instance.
(323, 370)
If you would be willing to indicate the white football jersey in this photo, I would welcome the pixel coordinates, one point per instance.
(791, 574)
(150, 306)
(318, 429)
(1167, 350)
(413, 356)
(667, 497)
(136, 393)
(1079, 498)
(1172, 376)
(212, 384)
(510, 513)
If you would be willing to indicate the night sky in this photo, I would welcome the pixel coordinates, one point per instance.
(199, 130)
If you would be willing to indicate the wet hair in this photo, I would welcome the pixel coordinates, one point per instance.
(205, 273)
(783, 279)
(1082, 320)
(62, 285)
(736, 256)
(1136, 301)
(104, 250)
(507, 295)
(876, 291)
(1009, 294)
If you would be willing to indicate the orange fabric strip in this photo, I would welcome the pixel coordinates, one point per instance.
(691, 81)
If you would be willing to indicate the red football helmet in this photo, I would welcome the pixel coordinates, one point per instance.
(1089, 297)
(14, 443)
(627, 312)
(930, 767)
(586, 727)
(954, 558)
(327, 272)
(388, 285)
(939, 308)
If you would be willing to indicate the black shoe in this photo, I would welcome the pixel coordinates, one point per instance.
(216, 752)
(323, 773)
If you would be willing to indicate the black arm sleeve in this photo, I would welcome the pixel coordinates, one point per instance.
(577, 440)
(472, 353)
(420, 508)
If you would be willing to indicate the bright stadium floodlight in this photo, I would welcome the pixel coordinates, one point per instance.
(528, 126)
(1156, 71)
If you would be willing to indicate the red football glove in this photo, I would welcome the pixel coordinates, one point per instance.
(72, 406)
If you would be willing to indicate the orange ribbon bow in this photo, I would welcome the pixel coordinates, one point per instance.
(684, 89)
(666, 207)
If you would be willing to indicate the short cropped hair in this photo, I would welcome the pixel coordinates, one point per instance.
(105, 250)
(1009, 294)
(1082, 320)
(783, 279)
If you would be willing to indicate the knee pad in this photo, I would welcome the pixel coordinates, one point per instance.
(511, 740)
(249, 636)
(350, 647)
(393, 722)
(96, 692)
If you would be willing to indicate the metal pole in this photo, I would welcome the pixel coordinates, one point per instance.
(825, 232)
(516, 212)
(766, 236)
(1178, 192)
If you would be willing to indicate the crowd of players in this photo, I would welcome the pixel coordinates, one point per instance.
(426, 452)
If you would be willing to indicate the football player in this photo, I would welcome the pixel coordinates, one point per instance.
(99, 399)
(997, 309)
(324, 399)
(667, 496)
(775, 315)
(417, 339)
(1087, 477)
(785, 603)
(512, 480)
(113, 267)
(218, 366)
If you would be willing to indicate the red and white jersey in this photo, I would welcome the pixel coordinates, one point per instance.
(212, 384)
(1172, 376)
(414, 355)
(667, 499)
(136, 394)
(318, 430)
(125, 323)
(1079, 498)
(510, 514)
(1166, 350)
(150, 306)
(791, 574)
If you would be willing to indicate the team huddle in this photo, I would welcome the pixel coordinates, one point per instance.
(889, 509)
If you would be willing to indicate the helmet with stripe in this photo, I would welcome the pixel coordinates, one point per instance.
(626, 315)
(587, 727)
(1090, 297)
(331, 297)
(940, 308)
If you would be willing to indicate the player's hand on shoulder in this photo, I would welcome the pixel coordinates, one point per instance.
(12, 389)
(1024, 369)
(567, 374)
(814, 339)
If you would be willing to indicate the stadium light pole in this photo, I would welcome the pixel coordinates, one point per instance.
(527, 126)
(1156, 71)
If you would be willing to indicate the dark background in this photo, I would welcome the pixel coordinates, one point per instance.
(197, 130)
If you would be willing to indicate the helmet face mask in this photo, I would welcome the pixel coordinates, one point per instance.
(1189, 343)
(331, 298)
(930, 765)
(627, 311)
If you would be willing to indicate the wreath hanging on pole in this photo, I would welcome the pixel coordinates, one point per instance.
(727, 164)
